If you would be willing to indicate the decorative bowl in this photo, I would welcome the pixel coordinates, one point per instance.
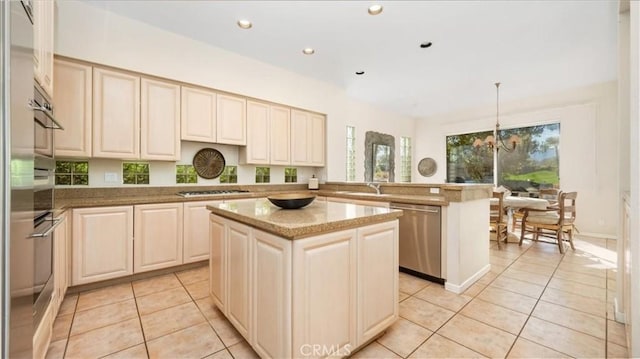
(291, 200)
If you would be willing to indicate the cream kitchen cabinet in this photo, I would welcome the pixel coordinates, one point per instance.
(231, 120)
(158, 236)
(280, 132)
(102, 243)
(159, 120)
(198, 118)
(196, 231)
(62, 252)
(73, 101)
(43, 31)
(268, 134)
(307, 139)
(116, 114)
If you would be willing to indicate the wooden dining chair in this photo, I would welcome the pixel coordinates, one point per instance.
(497, 218)
(550, 194)
(553, 222)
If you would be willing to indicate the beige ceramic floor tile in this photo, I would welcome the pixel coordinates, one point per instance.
(600, 282)
(616, 333)
(68, 305)
(616, 351)
(538, 279)
(223, 354)
(578, 288)
(527, 349)
(103, 316)
(533, 268)
(106, 340)
(495, 260)
(56, 349)
(61, 327)
(402, 296)
(136, 352)
(194, 275)
(104, 296)
(162, 300)
(563, 339)
(518, 286)
(403, 337)
(170, 320)
(495, 315)
(243, 350)
(537, 260)
(374, 350)
(155, 284)
(514, 301)
(593, 269)
(486, 340)
(225, 330)
(570, 318)
(575, 301)
(436, 294)
(198, 290)
(194, 342)
(410, 284)
(440, 347)
(423, 313)
(474, 289)
(488, 277)
(208, 309)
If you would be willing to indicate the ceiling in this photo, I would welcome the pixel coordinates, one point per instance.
(532, 47)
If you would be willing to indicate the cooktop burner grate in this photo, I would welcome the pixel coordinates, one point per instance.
(210, 192)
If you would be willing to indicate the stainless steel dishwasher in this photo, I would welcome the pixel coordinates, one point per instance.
(420, 241)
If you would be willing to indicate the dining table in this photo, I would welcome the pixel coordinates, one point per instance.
(514, 203)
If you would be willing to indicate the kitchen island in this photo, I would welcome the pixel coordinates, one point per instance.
(312, 282)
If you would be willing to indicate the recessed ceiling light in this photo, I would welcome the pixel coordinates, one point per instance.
(375, 9)
(308, 51)
(244, 24)
(359, 72)
(425, 45)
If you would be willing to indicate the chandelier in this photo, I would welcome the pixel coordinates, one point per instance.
(494, 141)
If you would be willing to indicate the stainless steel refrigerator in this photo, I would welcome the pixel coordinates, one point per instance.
(16, 182)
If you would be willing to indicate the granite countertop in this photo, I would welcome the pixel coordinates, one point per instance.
(317, 218)
(433, 200)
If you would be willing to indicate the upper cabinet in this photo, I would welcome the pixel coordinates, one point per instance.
(198, 118)
(307, 139)
(160, 120)
(73, 108)
(43, 29)
(231, 120)
(268, 134)
(280, 135)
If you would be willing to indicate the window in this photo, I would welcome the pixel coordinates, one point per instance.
(405, 159)
(229, 174)
(263, 174)
(290, 175)
(135, 173)
(70, 173)
(533, 165)
(186, 174)
(351, 153)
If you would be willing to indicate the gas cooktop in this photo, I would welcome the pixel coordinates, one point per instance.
(209, 193)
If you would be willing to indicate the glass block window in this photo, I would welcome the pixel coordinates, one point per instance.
(263, 174)
(70, 173)
(405, 159)
(351, 153)
(186, 174)
(229, 174)
(290, 175)
(135, 173)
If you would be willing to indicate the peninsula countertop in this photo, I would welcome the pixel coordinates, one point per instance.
(317, 218)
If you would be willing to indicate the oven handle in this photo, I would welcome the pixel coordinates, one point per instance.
(44, 109)
(55, 222)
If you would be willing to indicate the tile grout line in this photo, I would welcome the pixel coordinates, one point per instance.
(144, 337)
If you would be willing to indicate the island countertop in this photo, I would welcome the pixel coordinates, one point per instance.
(317, 218)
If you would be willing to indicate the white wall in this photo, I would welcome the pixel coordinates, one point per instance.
(589, 146)
(91, 34)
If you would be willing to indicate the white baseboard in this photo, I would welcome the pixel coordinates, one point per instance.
(458, 289)
(597, 235)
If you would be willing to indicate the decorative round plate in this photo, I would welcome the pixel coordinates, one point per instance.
(208, 163)
(427, 167)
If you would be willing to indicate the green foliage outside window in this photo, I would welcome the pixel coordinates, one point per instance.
(72, 173)
(229, 174)
(186, 174)
(135, 173)
(263, 174)
(290, 175)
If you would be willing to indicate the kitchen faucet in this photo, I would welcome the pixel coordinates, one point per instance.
(375, 186)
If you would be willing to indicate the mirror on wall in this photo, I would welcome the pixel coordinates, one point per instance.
(379, 163)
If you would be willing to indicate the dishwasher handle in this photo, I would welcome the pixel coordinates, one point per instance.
(418, 209)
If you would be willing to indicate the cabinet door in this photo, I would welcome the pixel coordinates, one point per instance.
(60, 263)
(73, 108)
(324, 289)
(300, 138)
(231, 120)
(377, 279)
(271, 296)
(102, 243)
(258, 124)
(198, 119)
(218, 261)
(196, 231)
(280, 136)
(159, 120)
(116, 114)
(239, 279)
(43, 30)
(317, 140)
(158, 236)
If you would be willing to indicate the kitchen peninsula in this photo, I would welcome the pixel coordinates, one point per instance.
(316, 281)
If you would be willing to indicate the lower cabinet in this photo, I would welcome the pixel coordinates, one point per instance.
(157, 236)
(61, 256)
(195, 235)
